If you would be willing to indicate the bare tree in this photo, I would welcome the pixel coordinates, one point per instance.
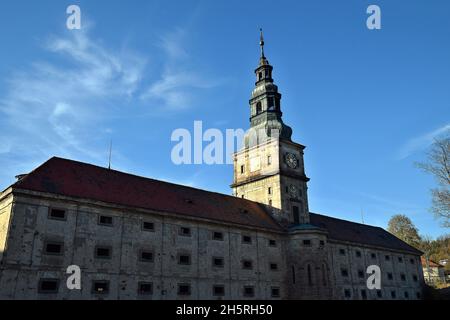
(438, 164)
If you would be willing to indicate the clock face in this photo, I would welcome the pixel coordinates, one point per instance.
(291, 160)
(293, 191)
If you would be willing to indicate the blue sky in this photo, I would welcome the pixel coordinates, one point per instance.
(366, 103)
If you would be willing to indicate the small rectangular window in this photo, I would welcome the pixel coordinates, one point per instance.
(344, 272)
(100, 287)
(218, 290)
(273, 266)
(415, 278)
(418, 295)
(269, 160)
(390, 276)
(146, 256)
(275, 292)
(373, 255)
(269, 190)
(247, 264)
(218, 236)
(57, 214)
(246, 239)
(105, 220)
(363, 294)
(406, 295)
(403, 277)
(387, 257)
(342, 252)
(184, 259)
(400, 259)
(411, 261)
(307, 243)
(242, 169)
(148, 226)
(393, 294)
(347, 293)
(103, 252)
(379, 294)
(184, 289)
(249, 291)
(322, 243)
(361, 273)
(272, 243)
(47, 286)
(218, 262)
(185, 232)
(358, 254)
(145, 288)
(54, 248)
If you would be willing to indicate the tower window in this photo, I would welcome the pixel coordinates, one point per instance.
(270, 202)
(260, 76)
(269, 190)
(258, 108)
(296, 214)
(242, 169)
(269, 160)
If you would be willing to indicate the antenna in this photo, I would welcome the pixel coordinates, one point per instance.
(110, 152)
(362, 215)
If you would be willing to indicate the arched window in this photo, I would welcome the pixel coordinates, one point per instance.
(309, 275)
(258, 108)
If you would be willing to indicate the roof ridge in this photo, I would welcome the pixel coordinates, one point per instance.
(362, 224)
(137, 176)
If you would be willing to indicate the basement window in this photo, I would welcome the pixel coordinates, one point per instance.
(184, 289)
(393, 294)
(54, 248)
(100, 287)
(146, 256)
(148, 226)
(105, 221)
(249, 291)
(103, 252)
(275, 292)
(347, 293)
(379, 294)
(218, 290)
(406, 295)
(57, 214)
(363, 294)
(145, 288)
(47, 286)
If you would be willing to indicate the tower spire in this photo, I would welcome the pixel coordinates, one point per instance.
(261, 43)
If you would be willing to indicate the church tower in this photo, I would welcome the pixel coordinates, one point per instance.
(269, 169)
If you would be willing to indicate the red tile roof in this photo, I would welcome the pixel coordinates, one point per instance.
(80, 180)
(431, 263)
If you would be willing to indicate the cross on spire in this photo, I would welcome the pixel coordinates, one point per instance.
(261, 43)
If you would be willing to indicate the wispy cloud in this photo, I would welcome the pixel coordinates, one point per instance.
(178, 85)
(421, 142)
(57, 106)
